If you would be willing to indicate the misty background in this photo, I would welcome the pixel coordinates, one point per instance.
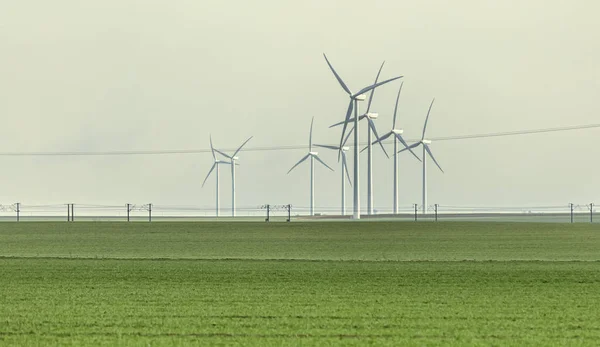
(159, 75)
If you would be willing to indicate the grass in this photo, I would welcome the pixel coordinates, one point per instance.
(391, 241)
(299, 284)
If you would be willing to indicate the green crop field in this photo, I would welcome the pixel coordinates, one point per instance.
(366, 283)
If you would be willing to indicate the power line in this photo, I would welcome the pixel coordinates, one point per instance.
(512, 133)
(292, 147)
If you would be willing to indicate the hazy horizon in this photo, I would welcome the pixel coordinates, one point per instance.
(130, 75)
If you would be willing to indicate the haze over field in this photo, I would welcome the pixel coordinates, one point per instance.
(154, 75)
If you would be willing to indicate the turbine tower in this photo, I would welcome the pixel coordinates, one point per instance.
(426, 151)
(397, 133)
(371, 129)
(353, 104)
(233, 162)
(312, 155)
(216, 164)
(344, 168)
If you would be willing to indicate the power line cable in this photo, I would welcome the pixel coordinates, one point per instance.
(513, 133)
(292, 147)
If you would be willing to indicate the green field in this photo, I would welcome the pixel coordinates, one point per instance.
(375, 283)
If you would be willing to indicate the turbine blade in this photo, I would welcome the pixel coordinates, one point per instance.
(310, 135)
(426, 119)
(223, 154)
(366, 89)
(373, 90)
(328, 146)
(345, 164)
(348, 114)
(350, 120)
(410, 147)
(432, 157)
(347, 137)
(209, 172)
(212, 149)
(298, 163)
(396, 107)
(337, 76)
(372, 126)
(399, 137)
(383, 138)
(240, 147)
(322, 162)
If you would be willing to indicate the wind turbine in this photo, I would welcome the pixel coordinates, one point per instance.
(371, 129)
(312, 155)
(397, 133)
(353, 104)
(344, 168)
(216, 164)
(232, 161)
(426, 151)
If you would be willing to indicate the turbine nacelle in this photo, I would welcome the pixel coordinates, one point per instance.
(314, 154)
(345, 148)
(398, 131)
(426, 142)
(361, 97)
(371, 115)
(234, 158)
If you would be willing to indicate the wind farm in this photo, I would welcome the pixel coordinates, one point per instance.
(273, 174)
(155, 114)
(371, 131)
(394, 141)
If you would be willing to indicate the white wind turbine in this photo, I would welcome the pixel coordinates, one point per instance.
(371, 129)
(312, 155)
(343, 150)
(353, 104)
(397, 133)
(216, 164)
(232, 161)
(426, 150)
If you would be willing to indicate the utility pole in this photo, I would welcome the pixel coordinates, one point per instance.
(268, 213)
(72, 212)
(128, 210)
(436, 211)
(149, 212)
(591, 212)
(416, 207)
(289, 208)
(18, 205)
(68, 212)
(571, 204)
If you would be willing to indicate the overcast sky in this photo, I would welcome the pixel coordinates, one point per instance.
(156, 75)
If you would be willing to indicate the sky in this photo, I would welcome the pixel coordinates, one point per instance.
(118, 75)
